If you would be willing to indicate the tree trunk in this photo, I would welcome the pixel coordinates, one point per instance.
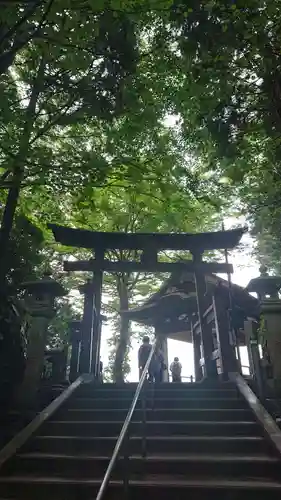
(124, 335)
(18, 172)
(7, 221)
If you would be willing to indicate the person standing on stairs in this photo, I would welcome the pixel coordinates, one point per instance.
(175, 370)
(143, 355)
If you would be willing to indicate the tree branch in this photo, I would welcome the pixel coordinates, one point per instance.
(29, 12)
(50, 124)
(7, 58)
(134, 282)
(5, 175)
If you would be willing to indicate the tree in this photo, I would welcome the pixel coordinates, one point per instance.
(161, 109)
(53, 87)
(19, 25)
(24, 253)
(214, 65)
(149, 207)
(71, 70)
(217, 66)
(218, 71)
(261, 194)
(24, 22)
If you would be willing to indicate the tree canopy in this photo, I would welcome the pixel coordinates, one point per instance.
(150, 207)
(151, 115)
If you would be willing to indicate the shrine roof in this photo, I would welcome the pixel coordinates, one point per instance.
(160, 241)
(177, 297)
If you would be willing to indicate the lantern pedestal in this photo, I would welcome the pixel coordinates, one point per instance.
(40, 303)
(268, 288)
(271, 312)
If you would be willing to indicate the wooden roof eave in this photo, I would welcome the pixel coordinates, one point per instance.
(155, 309)
(240, 295)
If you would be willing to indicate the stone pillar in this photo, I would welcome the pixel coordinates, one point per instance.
(238, 355)
(227, 355)
(206, 336)
(196, 341)
(85, 359)
(162, 343)
(251, 336)
(94, 369)
(58, 359)
(248, 331)
(164, 349)
(97, 323)
(75, 340)
(271, 315)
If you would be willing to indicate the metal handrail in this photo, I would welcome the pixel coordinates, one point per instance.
(125, 427)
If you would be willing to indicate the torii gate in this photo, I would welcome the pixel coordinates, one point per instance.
(150, 244)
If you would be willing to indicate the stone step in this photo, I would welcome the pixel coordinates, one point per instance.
(172, 414)
(46, 488)
(181, 403)
(187, 465)
(164, 428)
(114, 404)
(169, 392)
(155, 444)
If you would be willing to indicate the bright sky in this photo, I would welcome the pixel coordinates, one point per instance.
(245, 268)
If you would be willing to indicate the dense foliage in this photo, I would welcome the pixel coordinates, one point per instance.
(149, 207)
(137, 115)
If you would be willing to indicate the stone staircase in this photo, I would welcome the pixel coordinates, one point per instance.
(201, 441)
(14, 419)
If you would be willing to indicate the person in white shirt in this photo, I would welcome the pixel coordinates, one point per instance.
(175, 370)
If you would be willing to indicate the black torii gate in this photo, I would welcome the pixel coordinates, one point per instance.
(150, 244)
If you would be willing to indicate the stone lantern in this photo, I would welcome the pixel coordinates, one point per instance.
(267, 288)
(40, 298)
